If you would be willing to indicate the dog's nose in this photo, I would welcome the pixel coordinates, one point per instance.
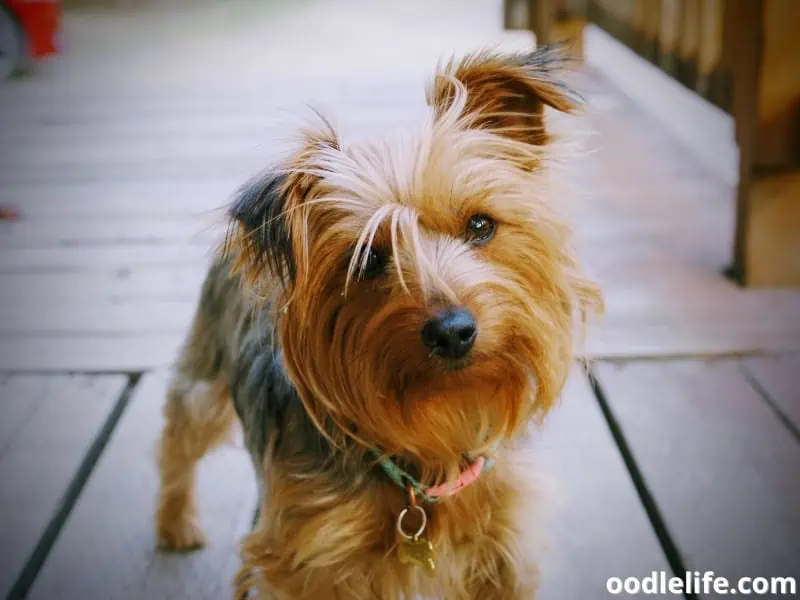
(450, 334)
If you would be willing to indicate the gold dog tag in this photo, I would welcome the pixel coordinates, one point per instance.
(413, 549)
(418, 553)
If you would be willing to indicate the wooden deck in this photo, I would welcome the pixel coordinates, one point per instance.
(679, 450)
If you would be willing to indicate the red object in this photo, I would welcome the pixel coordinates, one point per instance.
(40, 21)
(8, 213)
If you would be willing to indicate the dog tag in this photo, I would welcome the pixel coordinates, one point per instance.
(413, 549)
(418, 553)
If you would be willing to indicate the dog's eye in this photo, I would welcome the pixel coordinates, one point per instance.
(375, 265)
(480, 229)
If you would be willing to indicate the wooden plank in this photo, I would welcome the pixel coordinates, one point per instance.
(42, 458)
(600, 529)
(140, 151)
(74, 232)
(779, 378)
(18, 260)
(112, 353)
(180, 130)
(107, 548)
(645, 317)
(716, 302)
(21, 396)
(123, 199)
(720, 465)
(113, 286)
(97, 106)
(177, 131)
(649, 299)
(55, 316)
(252, 148)
(115, 170)
(684, 339)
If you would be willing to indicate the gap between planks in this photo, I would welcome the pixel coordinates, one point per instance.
(48, 462)
(107, 547)
(720, 464)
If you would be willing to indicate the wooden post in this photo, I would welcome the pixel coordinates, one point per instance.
(766, 107)
(508, 14)
(558, 21)
(688, 47)
(669, 35)
(541, 18)
(511, 14)
(711, 71)
(652, 21)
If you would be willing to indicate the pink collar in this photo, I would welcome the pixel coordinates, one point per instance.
(433, 494)
(467, 477)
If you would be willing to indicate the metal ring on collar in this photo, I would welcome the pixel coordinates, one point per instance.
(422, 525)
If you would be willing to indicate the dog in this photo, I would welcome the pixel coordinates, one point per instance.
(388, 320)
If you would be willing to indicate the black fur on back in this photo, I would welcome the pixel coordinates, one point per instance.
(232, 338)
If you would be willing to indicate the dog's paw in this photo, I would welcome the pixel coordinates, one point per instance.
(183, 536)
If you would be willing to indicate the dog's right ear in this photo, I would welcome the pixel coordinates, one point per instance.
(259, 238)
(266, 238)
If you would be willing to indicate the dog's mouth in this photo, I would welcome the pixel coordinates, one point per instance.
(455, 364)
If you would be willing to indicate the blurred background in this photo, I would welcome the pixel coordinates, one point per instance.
(126, 125)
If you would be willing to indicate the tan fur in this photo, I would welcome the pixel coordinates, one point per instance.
(188, 435)
(352, 348)
(198, 416)
(321, 539)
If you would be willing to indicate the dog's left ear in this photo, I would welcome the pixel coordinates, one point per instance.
(505, 94)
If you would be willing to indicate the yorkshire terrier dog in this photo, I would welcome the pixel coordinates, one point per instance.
(386, 320)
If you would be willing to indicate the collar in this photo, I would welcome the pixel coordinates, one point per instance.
(404, 480)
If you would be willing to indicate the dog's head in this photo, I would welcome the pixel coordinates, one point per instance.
(426, 292)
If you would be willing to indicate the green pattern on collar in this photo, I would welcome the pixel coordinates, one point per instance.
(403, 479)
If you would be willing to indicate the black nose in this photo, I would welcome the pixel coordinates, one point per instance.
(450, 334)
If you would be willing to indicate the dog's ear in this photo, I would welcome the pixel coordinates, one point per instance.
(505, 93)
(259, 238)
(266, 217)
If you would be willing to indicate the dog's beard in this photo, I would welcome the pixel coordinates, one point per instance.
(383, 392)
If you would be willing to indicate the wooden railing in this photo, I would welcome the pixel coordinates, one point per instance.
(742, 56)
(685, 38)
